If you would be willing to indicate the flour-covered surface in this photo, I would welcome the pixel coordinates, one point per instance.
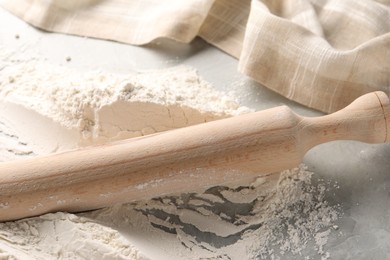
(48, 108)
(265, 219)
(63, 236)
(355, 175)
(99, 107)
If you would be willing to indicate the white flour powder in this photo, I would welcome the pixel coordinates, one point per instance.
(46, 108)
(97, 107)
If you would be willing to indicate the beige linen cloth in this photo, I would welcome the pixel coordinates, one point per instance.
(320, 53)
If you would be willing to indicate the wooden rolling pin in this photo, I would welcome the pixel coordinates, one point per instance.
(182, 160)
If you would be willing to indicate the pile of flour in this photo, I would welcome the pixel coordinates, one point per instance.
(46, 108)
(96, 107)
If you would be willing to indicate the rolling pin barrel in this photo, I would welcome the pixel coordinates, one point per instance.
(181, 160)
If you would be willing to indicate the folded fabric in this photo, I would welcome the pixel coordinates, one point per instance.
(320, 53)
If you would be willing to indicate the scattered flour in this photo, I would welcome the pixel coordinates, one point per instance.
(99, 107)
(46, 108)
(63, 236)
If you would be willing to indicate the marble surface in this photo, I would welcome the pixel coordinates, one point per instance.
(362, 171)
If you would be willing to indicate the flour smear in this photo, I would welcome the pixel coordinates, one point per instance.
(47, 108)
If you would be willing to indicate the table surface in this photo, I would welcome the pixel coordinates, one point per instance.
(361, 170)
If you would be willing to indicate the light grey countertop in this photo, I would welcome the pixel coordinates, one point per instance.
(361, 170)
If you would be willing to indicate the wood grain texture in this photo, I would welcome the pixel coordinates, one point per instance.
(182, 160)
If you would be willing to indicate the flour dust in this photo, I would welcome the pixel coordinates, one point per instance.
(46, 108)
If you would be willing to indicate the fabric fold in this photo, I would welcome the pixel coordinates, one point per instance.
(320, 53)
(301, 65)
(135, 22)
(225, 25)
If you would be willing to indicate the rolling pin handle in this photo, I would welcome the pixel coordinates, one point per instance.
(367, 119)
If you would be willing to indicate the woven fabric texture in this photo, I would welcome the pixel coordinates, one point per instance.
(320, 53)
